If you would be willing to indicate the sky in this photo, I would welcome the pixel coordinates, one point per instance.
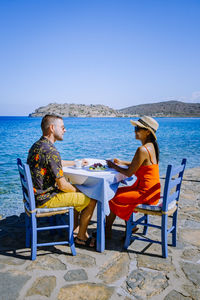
(113, 52)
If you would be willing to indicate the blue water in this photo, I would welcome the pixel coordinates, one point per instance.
(90, 137)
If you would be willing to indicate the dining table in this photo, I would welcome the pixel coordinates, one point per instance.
(100, 184)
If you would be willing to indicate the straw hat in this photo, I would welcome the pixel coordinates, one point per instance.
(148, 123)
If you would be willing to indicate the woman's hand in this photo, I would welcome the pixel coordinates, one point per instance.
(117, 161)
(110, 164)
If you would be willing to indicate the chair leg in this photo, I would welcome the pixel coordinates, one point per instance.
(129, 226)
(28, 230)
(34, 237)
(71, 229)
(164, 236)
(174, 223)
(146, 221)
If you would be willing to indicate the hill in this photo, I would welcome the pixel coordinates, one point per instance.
(75, 110)
(164, 109)
(160, 109)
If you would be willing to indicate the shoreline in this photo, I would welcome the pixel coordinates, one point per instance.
(109, 117)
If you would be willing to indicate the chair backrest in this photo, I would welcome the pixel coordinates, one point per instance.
(27, 185)
(174, 176)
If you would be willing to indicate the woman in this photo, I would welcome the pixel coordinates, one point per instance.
(144, 166)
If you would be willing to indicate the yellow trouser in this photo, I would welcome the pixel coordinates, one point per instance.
(78, 200)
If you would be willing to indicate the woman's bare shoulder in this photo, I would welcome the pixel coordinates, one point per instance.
(141, 151)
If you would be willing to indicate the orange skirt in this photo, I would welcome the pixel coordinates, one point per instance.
(127, 198)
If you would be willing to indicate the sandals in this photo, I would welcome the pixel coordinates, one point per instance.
(89, 243)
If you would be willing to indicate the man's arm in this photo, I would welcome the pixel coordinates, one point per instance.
(65, 186)
(67, 163)
(71, 163)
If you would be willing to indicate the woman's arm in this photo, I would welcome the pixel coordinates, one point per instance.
(121, 162)
(137, 161)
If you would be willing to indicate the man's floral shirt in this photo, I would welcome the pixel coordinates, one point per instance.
(45, 165)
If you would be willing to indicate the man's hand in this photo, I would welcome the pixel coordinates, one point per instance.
(84, 162)
(65, 186)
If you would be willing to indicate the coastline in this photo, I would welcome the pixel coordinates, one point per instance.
(109, 117)
(114, 274)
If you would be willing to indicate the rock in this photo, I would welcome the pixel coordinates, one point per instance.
(143, 285)
(196, 216)
(110, 272)
(191, 224)
(85, 291)
(11, 261)
(42, 286)
(192, 291)
(174, 295)
(192, 254)
(192, 271)
(155, 263)
(75, 110)
(11, 285)
(82, 260)
(46, 262)
(191, 236)
(76, 275)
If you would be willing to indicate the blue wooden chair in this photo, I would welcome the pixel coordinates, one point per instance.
(32, 214)
(168, 207)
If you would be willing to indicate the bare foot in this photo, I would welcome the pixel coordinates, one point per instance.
(75, 233)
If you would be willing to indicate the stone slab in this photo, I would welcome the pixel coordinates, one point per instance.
(46, 262)
(192, 272)
(118, 265)
(11, 285)
(143, 285)
(42, 286)
(76, 275)
(85, 291)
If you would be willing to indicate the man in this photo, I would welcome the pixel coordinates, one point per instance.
(50, 186)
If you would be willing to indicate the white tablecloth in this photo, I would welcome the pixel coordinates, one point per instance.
(99, 185)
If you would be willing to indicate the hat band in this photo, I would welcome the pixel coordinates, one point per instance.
(145, 124)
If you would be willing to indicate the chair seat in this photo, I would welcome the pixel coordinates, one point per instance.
(155, 208)
(46, 212)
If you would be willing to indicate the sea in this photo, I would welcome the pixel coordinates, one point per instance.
(101, 138)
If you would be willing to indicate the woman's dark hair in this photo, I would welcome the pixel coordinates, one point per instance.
(153, 140)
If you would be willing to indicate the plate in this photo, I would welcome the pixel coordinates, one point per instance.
(98, 169)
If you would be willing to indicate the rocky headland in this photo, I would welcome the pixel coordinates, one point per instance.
(139, 273)
(160, 109)
(75, 110)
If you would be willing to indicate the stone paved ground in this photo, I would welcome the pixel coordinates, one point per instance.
(139, 273)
